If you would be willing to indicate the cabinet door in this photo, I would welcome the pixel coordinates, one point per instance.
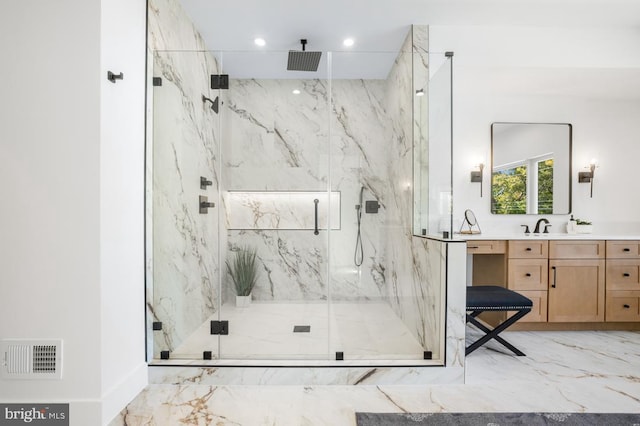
(623, 249)
(486, 246)
(623, 306)
(576, 290)
(623, 274)
(528, 274)
(576, 249)
(538, 310)
(528, 249)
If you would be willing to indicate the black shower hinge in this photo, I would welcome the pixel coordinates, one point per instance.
(207, 355)
(164, 355)
(157, 325)
(427, 355)
(219, 327)
(219, 81)
(157, 81)
(339, 356)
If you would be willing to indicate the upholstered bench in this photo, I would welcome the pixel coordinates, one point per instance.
(493, 298)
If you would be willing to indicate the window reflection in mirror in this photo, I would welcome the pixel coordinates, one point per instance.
(531, 168)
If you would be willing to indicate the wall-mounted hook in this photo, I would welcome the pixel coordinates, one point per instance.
(113, 77)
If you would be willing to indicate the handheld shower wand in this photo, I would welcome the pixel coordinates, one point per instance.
(358, 255)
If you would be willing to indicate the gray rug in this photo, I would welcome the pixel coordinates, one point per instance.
(497, 419)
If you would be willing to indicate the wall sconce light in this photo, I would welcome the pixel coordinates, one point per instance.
(587, 177)
(420, 92)
(476, 175)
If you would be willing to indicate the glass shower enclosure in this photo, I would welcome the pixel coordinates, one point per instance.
(308, 177)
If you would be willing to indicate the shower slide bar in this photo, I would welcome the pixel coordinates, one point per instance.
(316, 232)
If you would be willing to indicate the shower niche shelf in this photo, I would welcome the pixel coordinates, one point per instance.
(282, 210)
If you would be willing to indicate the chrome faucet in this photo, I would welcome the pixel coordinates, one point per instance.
(537, 229)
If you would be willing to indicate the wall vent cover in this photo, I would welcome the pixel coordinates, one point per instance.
(31, 359)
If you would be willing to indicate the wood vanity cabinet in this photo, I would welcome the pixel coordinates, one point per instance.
(576, 281)
(527, 274)
(623, 281)
(573, 284)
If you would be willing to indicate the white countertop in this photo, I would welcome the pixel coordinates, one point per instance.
(543, 236)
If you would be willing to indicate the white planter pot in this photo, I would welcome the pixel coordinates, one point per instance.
(243, 301)
(584, 229)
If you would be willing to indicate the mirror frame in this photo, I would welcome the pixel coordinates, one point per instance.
(569, 174)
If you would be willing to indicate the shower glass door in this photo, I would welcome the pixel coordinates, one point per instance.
(183, 205)
(276, 204)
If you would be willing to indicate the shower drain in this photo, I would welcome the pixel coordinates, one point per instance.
(301, 328)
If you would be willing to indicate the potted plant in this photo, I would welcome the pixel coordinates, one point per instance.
(243, 270)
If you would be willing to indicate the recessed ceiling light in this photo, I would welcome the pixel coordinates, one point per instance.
(296, 92)
(348, 42)
(259, 42)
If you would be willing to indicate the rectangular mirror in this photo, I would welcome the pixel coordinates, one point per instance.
(531, 168)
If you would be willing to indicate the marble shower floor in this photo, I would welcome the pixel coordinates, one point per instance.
(562, 372)
(265, 331)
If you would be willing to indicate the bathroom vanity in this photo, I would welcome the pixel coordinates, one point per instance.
(576, 282)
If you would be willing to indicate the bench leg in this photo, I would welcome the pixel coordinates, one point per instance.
(493, 334)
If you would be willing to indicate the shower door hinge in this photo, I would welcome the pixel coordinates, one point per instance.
(220, 327)
(157, 325)
(219, 81)
(157, 81)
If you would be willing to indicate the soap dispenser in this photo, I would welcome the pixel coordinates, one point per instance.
(571, 226)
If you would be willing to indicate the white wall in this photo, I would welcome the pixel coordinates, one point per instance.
(123, 49)
(71, 229)
(589, 77)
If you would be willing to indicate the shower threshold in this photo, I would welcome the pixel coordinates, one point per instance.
(263, 334)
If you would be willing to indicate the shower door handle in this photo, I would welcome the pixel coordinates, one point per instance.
(316, 232)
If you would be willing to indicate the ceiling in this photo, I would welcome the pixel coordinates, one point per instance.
(381, 26)
(378, 28)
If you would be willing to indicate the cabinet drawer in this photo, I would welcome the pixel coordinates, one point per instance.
(623, 306)
(576, 249)
(532, 249)
(486, 246)
(623, 275)
(538, 310)
(623, 249)
(528, 274)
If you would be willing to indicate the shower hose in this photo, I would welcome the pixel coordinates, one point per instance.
(358, 255)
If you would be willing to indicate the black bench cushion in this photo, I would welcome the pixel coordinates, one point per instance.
(494, 298)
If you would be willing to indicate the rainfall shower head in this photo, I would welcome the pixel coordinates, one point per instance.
(303, 60)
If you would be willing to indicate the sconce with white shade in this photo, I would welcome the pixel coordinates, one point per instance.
(476, 175)
(587, 177)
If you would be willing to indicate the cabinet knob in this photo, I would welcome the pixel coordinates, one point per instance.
(626, 306)
(626, 274)
(528, 249)
(626, 249)
(527, 274)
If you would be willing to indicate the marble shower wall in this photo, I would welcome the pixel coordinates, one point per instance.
(414, 265)
(184, 145)
(279, 141)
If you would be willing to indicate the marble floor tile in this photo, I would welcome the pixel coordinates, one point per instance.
(562, 372)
